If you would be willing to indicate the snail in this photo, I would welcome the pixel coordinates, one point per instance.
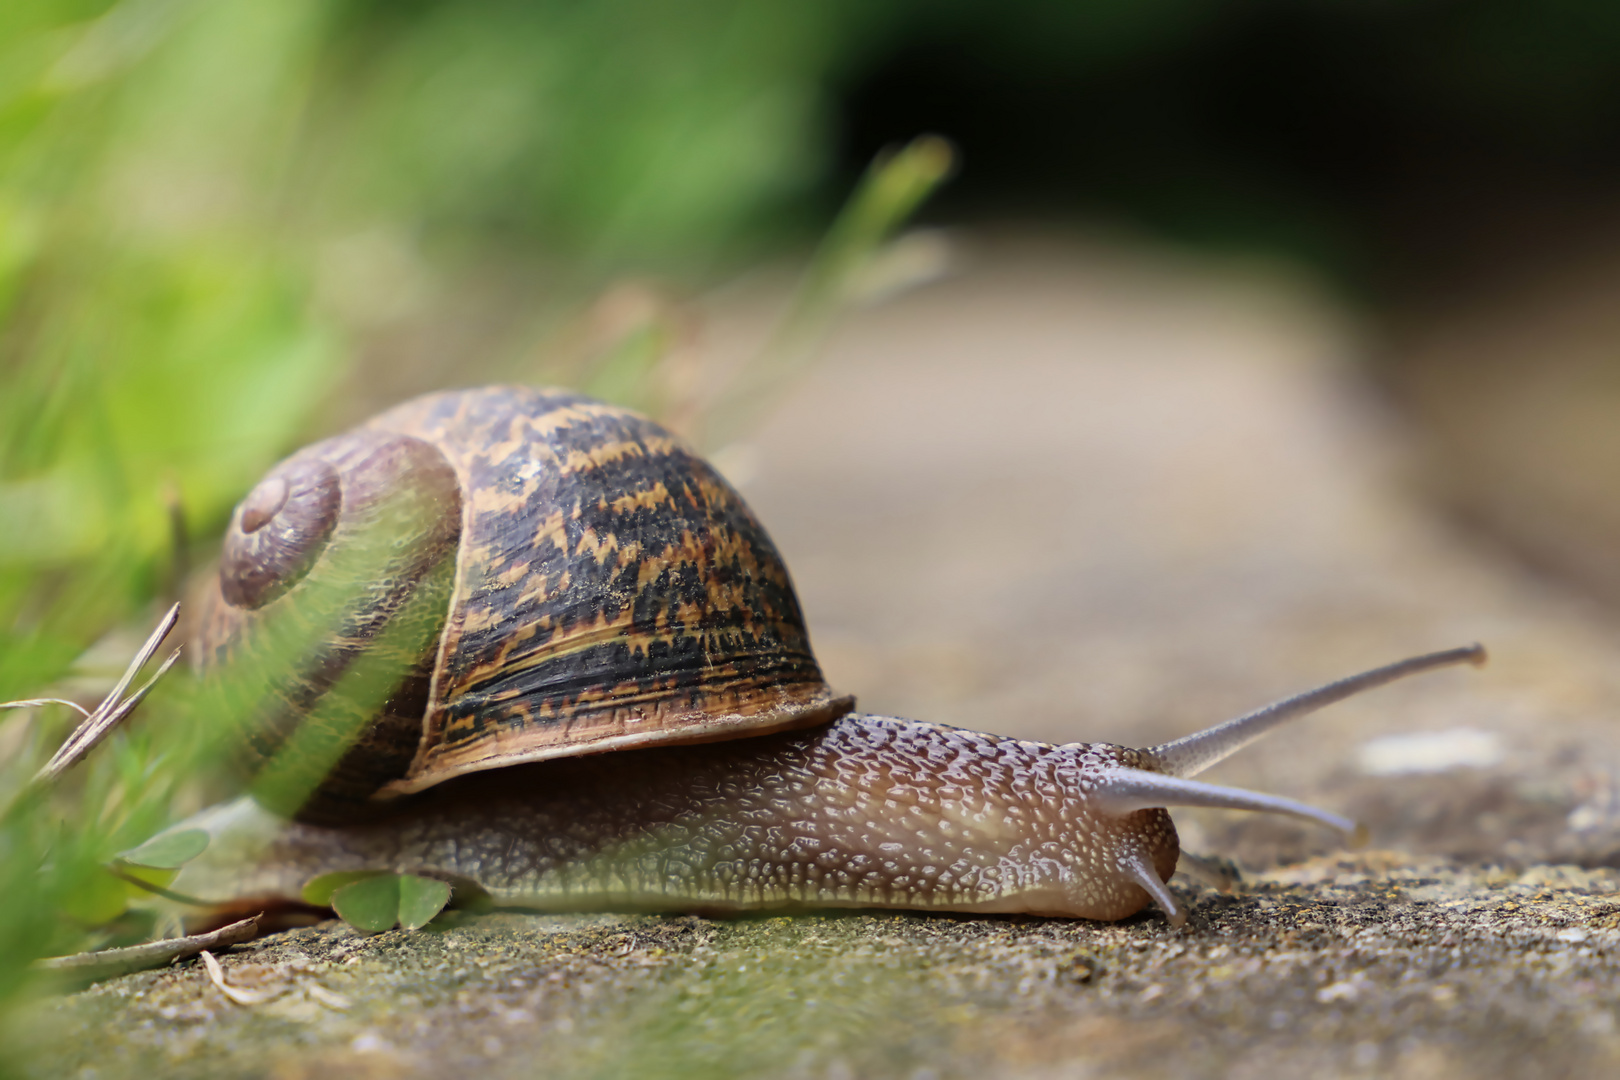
(528, 643)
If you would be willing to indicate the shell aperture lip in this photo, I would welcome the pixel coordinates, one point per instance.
(278, 531)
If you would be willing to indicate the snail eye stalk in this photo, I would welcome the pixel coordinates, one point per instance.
(1192, 754)
(1123, 791)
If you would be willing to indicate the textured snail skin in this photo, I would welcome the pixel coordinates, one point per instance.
(866, 812)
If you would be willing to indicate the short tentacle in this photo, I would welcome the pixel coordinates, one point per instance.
(1122, 791)
(1139, 869)
(1192, 754)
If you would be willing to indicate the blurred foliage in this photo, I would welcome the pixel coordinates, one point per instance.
(626, 130)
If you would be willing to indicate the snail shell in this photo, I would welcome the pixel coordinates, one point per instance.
(531, 574)
(516, 580)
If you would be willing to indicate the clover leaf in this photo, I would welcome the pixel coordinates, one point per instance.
(373, 901)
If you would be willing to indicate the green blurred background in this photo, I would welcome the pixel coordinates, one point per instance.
(227, 226)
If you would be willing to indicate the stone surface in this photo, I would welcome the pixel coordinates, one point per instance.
(1071, 492)
(1379, 964)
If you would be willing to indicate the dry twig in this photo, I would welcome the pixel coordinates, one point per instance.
(91, 966)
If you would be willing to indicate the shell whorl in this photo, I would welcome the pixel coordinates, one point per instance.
(279, 531)
(327, 611)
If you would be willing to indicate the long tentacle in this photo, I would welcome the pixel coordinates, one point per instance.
(1121, 791)
(1192, 754)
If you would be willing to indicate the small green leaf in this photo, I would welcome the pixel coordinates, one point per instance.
(319, 890)
(374, 900)
(167, 851)
(420, 899)
(370, 905)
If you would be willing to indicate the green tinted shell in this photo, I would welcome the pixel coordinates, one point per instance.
(555, 576)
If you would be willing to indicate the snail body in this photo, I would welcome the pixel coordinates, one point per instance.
(865, 812)
(608, 592)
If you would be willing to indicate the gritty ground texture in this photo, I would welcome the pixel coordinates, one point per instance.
(1374, 965)
(1070, 493)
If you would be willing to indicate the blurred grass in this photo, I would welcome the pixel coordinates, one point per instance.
(156, 351)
